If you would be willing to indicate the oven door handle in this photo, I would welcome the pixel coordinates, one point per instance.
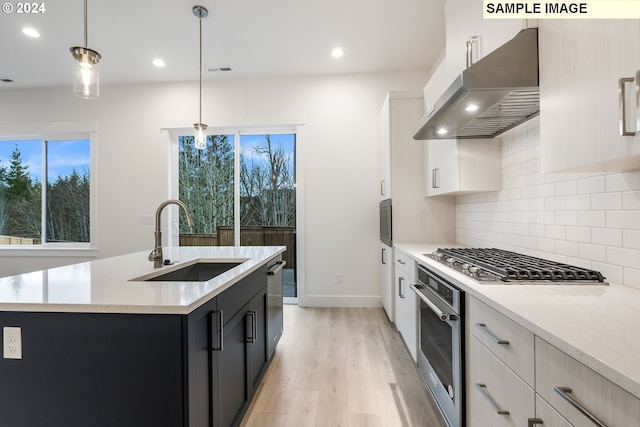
(441, 314)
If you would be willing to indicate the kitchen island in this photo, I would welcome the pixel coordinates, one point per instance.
(101, 345)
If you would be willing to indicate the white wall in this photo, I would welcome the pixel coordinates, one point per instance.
(338, 149)
(589, 220)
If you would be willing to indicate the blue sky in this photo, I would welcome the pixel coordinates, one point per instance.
(64, 156)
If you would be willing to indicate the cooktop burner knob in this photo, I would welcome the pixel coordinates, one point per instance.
(451, 261)
(466, 267)
(474, 271)
(438, 255)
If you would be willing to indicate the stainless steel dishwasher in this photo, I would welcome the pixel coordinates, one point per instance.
(274, 304)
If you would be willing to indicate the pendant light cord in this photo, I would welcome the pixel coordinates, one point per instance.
(200, 113)
(86, 42)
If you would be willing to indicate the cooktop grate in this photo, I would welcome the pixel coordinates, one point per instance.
(514, 266)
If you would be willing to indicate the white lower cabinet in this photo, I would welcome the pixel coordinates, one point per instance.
(496, 396)
(580, 395)
(515, 378)
(387, 288)
(406, 301)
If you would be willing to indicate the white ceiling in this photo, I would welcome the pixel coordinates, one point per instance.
(255, 37)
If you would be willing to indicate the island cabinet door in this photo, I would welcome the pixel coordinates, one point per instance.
(203, 337)
(257, 339)
(231, 371)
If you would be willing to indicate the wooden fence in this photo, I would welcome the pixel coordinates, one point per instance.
(253, 235)
(13, 240)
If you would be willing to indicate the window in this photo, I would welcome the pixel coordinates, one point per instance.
(240, 190)
(58, 211)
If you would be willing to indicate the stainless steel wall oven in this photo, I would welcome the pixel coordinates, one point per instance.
(441, 336)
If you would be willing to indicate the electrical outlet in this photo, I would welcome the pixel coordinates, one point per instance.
(338, 278)
(12, 342)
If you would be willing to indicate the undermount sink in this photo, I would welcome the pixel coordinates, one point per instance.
(200, 271)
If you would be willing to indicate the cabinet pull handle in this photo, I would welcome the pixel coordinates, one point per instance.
(254, 326)
(383, 257)
(564, 393)
(213, 326)
(483, 328)
(481, 388)
(533, 421)
(382, 188)
(400, 291)
(473, 40)
(435, 175)
(623, 106)
(638, 101)
(401, 262)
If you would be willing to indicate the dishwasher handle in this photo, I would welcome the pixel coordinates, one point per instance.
(279, 265)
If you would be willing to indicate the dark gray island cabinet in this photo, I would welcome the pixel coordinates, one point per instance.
(109, 369)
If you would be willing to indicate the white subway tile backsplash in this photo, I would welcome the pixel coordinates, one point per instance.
(579, 234)
(591, 220)
(595, 184)
(556, 232)
(580, 202)
(545, 190)
(623, 181)
(624, 219)
(631, 200)
(623, 257)
(631, 240)
(606, 201)
(567, 217)
(564, 188)
(592, 252)
(606, 236)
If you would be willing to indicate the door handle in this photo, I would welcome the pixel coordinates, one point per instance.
(400, 282)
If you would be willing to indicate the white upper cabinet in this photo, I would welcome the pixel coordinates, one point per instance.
(384, 148)
(470, 37)
(458, 166)
(581, 64)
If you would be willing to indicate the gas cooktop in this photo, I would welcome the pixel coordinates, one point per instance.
(495, 266)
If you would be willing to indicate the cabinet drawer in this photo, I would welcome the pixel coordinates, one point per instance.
(495, 395)
(601, 398)
(407, 264)
(549, 416)
(509, 341)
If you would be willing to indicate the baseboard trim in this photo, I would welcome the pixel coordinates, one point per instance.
(340, 301)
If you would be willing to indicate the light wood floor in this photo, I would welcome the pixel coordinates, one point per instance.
(343, 367)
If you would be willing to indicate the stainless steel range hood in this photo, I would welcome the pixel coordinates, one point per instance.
(503, 86)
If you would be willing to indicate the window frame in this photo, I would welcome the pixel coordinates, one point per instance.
(56, 132)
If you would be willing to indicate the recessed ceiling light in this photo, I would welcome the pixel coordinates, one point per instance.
(337, 52)
(471, 107)
(158, 62)
(442, 131)
(30, 32)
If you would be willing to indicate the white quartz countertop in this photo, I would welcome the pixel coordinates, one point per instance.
(595, 324)
(106, 285)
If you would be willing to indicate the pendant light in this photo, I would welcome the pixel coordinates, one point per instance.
(201, 136)
(86, 82)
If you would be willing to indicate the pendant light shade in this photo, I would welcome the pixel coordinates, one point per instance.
(201, 135)
(86, 82)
